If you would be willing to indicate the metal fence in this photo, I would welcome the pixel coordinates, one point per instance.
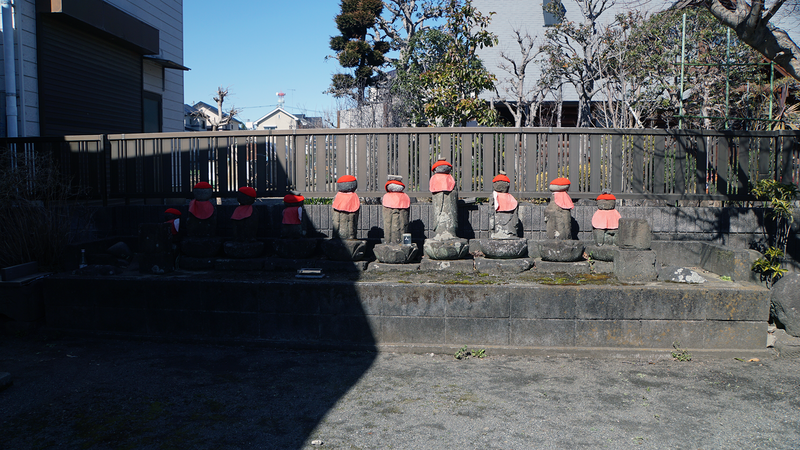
(650, 163)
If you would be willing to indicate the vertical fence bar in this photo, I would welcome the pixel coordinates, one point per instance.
(383, 161)
(426, 160)
(284, 181)
(552, 158)
(681, 155)
(595, 162)
(403, 151)
(658, 163)
(723, 165)
(617, 164)
(509, 145)
(701, 165)
(744, 162)
(637, 164)
(765, 168)
(788, 143)
(574, 160)
(361, 157)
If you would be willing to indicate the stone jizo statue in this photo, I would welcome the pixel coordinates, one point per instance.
(396, 207)
(445, 201)
(605, 220)
(293, 222)
(245, 220)
(505, 217)
(202, 219)
(558, 215)
(346, 206)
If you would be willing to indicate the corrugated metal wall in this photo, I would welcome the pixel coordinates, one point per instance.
(87, 85)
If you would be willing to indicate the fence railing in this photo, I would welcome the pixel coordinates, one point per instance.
(650, 163)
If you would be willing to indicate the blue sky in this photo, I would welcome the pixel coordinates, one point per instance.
(257, 48)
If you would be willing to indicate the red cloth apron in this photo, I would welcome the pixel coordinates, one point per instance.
(291, 215)
(606, 219)
(396, 200)
(562, 199)
(242, 212)
(442, 182)
(346, 202)
(504, 202)
(201, 209)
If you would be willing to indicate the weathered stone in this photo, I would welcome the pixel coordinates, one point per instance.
(635, 265)
(446, 249)
(561, 250)
(395, 223)
(343, 250)
(634, 234)
(602, 253)
(677, 274)
(246, 229)
(504, 248)
(602, 266)
(295, 248)
(604, 237)
(444, 216)
(785, 303)
(201, 247)
(195, 263)
(504, 225)
(534, 248)
(559, 222)
(378, 266)
(157, 263)
(502, 266)
(736, 263)
(451, 266)
(396, 253)
(120, 250)
(154, 237)
(575, 267)
(200, 227)
(239, 265)
(237, 249)
(345, 224)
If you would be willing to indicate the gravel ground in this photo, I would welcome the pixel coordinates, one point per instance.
(92, 393)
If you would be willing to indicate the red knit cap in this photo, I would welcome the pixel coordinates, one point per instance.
(441, 162)
(386, 186)
(248, 191)
(202, 185)
(291, 198)
(346, 179)
(606, 197)
(501, 177)
(561, 181)
(172, 211)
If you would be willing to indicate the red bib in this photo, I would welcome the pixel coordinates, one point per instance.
(201, 209)
(291, 215)
(504, 202)
(346, 202)
(242, 212)
(562, 199)
(396, 200)
(606, 219)
(174, 226)
(442, 182)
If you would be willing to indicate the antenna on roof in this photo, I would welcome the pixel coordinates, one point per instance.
(281, 99)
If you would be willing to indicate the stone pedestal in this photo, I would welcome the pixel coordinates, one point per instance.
(637, 266)
(396, 253)
(343, 250)
(561, 250)
(504, 248)
(242, 250)
(447, 249)
(502, 266)
(602, 252)
(295, 248)
(201, 247)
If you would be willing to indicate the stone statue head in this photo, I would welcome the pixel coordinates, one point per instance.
(501, 183)
(246, 195)
(442, 166)
(606, 201)
(202, 191)
(347, 183)
(559, 185)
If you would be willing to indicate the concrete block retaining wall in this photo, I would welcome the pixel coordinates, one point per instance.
(344, 314)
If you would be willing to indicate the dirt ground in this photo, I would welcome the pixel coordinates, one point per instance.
(98, 393)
